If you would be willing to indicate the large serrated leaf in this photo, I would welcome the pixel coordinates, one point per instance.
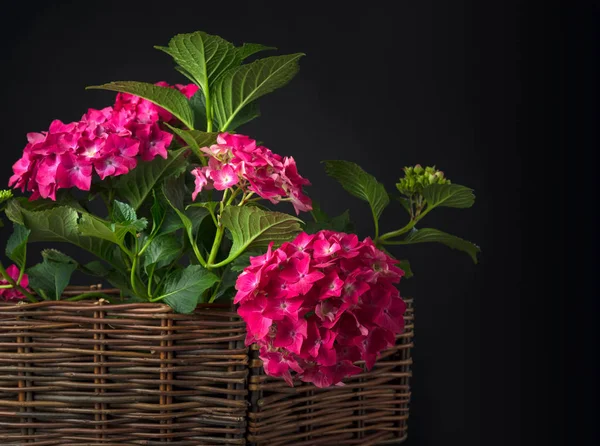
(137, 185)
(163, 250)
(359, 183)
(252, 228)
(240, 86)
(246, 114)
(16, 246)
(448, 195)
(203, 56)
(248, 49)
(168, 98)
(54, 223)
(52, 276)
(427, 235)
(183, 288)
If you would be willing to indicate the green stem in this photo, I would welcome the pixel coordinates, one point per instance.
(84, 296)
(6, 287)
(233, 195)
(134, 271)
(376, 221)
(403, 230)
(216, 290)
(148, 241)
(11, 282)
(246, 199)
(216, 245)
(197, 253)
(22, 270)
(150, 278)
(220, 228)
(393, 242)
(209, 124)
(224, 262)
(213, 216)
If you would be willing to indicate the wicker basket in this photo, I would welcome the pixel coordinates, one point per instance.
(370, 409)
(94, 373)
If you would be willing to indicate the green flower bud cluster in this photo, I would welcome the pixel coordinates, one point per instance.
(417, 177)
(5, 195)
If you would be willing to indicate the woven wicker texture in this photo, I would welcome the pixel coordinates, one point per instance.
(93, 373)
(85, 373)
(371, 409)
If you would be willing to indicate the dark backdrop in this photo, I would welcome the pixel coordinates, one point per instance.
(477, 88)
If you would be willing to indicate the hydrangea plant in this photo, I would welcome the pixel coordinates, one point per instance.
(176, 206)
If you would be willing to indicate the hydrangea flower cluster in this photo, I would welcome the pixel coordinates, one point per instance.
(237, 160)
(11, 293)
(108, 141)
(318, 304)
(416, 178)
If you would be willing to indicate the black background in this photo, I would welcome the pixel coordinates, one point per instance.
(500, 95)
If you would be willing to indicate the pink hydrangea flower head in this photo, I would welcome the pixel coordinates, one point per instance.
(11, 294)
(237, 160)
(318, 304)
(109, 142)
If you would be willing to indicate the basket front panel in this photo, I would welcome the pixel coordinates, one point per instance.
(370, 409)
(84, 373)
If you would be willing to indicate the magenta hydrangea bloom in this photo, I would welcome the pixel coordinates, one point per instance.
(237, 160)
(320, 303)
(11, 293)
(109, 142)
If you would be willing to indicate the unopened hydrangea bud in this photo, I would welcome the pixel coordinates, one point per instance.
(416, 178)
(5, 195)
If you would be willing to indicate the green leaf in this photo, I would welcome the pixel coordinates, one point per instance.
(426, 235)
(168, 98)
(123, 213)
(16, 246)
(163, 250)
(158, 212)
(239, 264)
(203, 56)
(49, 222)
(115, 277)
(198, 105)
(405, 202)
(210, 205)
(127, 217)
(92, 226)
(248, 49)
(246, 114)
(228, 280)
(341, 223)
(252, 227)
(448, 195)
(318, 213)
(51, 277)
(137, 185)
(360, 184)
(196, 140)
(240, 86)
(404, 265)
(183, 288)
(173, 192)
